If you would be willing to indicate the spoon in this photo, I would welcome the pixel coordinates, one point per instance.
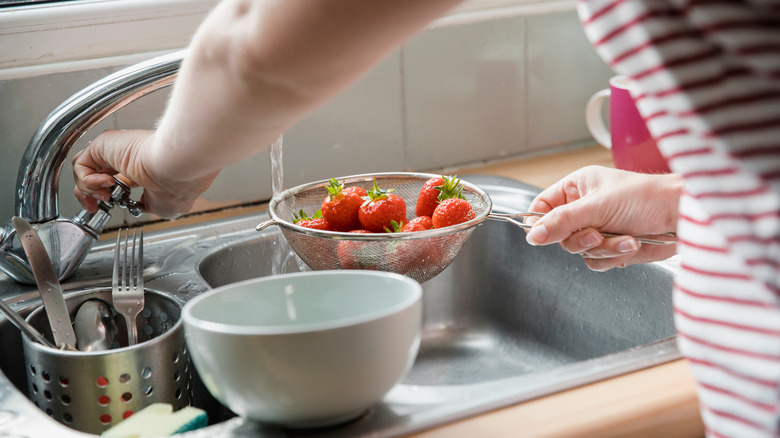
(94, 326)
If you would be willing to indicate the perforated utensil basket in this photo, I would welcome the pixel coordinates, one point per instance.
(92, 391)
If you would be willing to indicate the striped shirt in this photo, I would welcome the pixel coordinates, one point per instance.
(706, 78)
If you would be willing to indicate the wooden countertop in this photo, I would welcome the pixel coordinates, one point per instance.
(655, 402)
(658, 401)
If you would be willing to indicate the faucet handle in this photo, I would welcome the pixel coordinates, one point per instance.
(93, 223)
(120, 195)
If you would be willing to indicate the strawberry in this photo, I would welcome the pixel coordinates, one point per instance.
(360, 191)
(380, 209)
(452, 211)
(355, 254)
(316, 222)
(434, 191)
(420, 223)
(340, 207)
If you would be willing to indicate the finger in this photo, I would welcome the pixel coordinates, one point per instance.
(541, 204)
(582, 241)
(613, 252)
(614, 247)
(88, 202)
(90, 172)
(552, 197)
(603, 265)
(563, 221)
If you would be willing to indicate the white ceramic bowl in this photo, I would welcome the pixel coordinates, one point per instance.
(307, 349)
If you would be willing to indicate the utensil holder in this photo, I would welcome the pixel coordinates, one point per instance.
(92, 391)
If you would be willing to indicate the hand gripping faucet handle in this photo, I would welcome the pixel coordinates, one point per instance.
(120, 196)
(93, 223)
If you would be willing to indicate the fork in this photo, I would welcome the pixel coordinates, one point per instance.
(128, 294)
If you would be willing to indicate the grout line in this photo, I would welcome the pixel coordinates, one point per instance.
(404, 118)
(527, 92)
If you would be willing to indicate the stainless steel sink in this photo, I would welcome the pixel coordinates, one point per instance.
(505, 323)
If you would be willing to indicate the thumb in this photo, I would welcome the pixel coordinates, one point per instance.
(562, 221)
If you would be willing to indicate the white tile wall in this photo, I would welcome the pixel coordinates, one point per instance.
(563, 72)
(464, 93)
(360, 131)
(452, 96)
(24, 103)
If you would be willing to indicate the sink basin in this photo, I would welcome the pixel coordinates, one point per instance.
(506, 322)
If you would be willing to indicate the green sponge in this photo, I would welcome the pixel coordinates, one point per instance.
(158, 420)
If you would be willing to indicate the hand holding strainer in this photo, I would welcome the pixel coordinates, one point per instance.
(420, 255)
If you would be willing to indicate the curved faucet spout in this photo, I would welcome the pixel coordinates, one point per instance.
(39, 172)
(38, 179)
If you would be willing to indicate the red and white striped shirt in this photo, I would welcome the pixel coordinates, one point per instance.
(707, 82)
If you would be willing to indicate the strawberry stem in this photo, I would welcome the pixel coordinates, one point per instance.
(301, 216)
(334, 188)
(450, 189)
(375, 194)
(396, 227)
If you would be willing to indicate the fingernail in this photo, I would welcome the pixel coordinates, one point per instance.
(108, 184)
(538, 235)
(590, 240)
(627, 246)
(530, 220)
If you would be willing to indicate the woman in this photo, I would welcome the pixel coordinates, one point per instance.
(708, 79)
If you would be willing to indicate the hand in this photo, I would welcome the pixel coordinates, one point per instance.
(595, 199)
(133, 157)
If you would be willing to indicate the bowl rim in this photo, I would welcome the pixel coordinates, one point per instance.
(190, 320)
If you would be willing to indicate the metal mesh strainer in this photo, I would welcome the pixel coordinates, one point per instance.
(420, 255)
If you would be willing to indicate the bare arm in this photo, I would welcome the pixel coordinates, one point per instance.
(255, 68)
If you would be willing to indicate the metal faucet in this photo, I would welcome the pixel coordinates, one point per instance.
(69, 240)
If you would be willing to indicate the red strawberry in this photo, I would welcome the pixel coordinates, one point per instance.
(316, 222)
(452, 211)
(360, 191)
(340, 207)
(381, 209)
(355, 254)
(420, 223)
(434, 191)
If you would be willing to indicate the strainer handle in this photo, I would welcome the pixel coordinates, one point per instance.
(662, 239)
(263, 225)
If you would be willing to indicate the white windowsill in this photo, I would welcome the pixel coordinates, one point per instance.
(58, 37)
(77, 35)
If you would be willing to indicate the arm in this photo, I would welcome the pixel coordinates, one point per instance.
(254, 69)
(596, 199)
